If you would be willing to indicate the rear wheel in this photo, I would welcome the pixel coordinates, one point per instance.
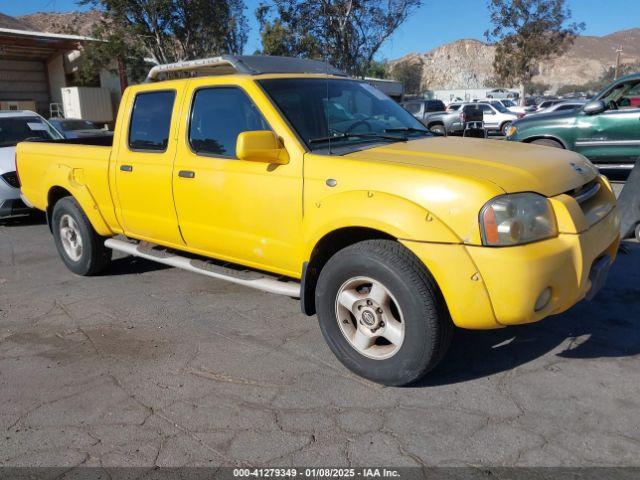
(81, 248)
(547, 142)
(437, 129)
(381, 312)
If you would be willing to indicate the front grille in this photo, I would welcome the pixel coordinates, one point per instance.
(586, 191)
(12, 179)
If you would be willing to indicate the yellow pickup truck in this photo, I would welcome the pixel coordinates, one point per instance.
(287, 176)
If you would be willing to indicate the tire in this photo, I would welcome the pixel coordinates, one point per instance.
(638, 232)
(505, 127)
(438, 129)
(71, 229)
(413, 299)
(547, 142)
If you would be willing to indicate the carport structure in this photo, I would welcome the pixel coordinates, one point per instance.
(34, 66)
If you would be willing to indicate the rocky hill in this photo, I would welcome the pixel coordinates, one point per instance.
(13, 23)
(468, 63)
(78, 23)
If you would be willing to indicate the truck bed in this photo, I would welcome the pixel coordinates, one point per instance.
(81, 165)
(98, 140)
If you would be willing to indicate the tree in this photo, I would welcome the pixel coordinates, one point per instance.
(347, 33)
(536, 88)
(527, 32)
(377, 69)
(115, 47)
(171, 30)
(409, 72)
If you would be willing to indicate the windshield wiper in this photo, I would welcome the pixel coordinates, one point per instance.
(407, 130)
(343, 135)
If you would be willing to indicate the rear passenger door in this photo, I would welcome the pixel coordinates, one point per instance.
(144, 164)
(489, 116)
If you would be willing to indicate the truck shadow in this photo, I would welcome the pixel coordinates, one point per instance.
(132, 266)
(36, 218)
(609, 326)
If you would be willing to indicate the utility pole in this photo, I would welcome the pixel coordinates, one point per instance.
(618, 55)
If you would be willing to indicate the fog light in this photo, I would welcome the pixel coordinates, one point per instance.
(543, 299)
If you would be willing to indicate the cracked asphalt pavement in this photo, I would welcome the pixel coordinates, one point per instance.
(148, 365)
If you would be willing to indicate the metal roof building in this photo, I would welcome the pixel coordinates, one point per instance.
(35, 66)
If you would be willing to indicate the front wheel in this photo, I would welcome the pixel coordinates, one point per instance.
(638, 232)
(381, 313)
(505, 128)
(81, 248)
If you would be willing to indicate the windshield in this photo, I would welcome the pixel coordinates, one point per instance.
(498, 106)
(333, 113)
(18, 129)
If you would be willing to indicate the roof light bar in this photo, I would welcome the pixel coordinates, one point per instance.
(225, 63)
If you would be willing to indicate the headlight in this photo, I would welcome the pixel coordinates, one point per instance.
(517, 218)
(511, 131)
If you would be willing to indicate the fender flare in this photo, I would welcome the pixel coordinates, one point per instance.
(74, 184)
(546, 137)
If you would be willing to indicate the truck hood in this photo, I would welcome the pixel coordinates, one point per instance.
(514, 167)
(7, 159)
(561, 117)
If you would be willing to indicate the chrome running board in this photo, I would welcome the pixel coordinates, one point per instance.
(243, 277)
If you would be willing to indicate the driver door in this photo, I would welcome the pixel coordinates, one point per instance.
(246, 212)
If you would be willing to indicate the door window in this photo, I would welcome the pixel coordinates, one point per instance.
(412, 107)
(218, 116)
(486, 109)
(151, 121)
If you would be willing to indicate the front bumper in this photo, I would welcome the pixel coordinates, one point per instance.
(488, 287)
(10, 202)
(12, 208)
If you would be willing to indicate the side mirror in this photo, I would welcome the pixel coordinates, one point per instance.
(261, 146)
(594, 107)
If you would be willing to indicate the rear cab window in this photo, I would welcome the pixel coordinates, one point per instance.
(151, 121)
(435, 106)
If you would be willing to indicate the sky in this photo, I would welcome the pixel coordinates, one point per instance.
(437, 22)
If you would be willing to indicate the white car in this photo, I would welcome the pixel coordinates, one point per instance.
(496, 117)
(510, 105)
(561, 106)
(502, 93)
(16, 126)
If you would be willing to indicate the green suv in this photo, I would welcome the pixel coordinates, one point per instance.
(606, 130)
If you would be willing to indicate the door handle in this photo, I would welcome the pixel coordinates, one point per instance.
(186, 174)
(126, 168)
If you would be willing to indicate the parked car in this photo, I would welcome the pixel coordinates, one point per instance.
(501, 93)
(424, 109)
(511, 105)
(448, 122)
(325, 189)
(560, 107)
(16, 126)
(496, 117)
(77, 128)
(543, 104)
(606, 130)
